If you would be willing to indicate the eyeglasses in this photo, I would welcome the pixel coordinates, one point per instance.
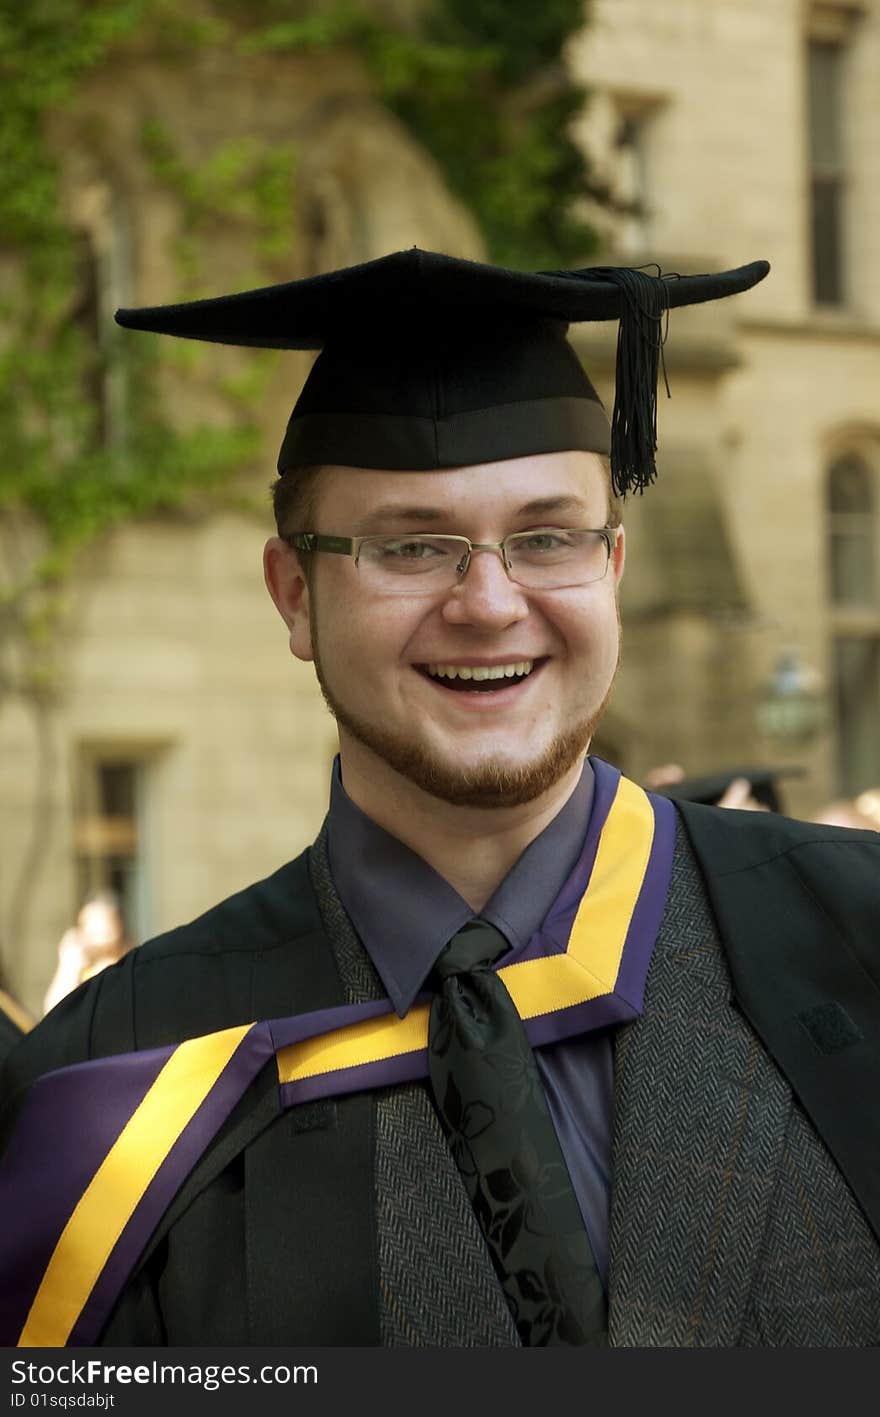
(545, 558)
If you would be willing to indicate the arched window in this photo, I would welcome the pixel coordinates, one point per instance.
(852, 533)
(853, 519)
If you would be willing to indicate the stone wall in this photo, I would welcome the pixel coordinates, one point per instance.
(716, 94)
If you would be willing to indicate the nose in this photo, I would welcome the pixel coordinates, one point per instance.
(486, 597)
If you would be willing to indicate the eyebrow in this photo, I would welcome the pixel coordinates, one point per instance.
(403, 512)
(400, 512)
(541, 506)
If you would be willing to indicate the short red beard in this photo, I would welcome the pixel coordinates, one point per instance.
(491, 784)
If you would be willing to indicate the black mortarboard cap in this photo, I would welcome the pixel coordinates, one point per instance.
(428, 361)
(711, 787)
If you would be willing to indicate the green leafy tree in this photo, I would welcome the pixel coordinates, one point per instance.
(483, 85)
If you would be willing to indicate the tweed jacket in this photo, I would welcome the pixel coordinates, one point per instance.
(345, 1222)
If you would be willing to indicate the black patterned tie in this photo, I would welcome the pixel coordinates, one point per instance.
(490, 1099)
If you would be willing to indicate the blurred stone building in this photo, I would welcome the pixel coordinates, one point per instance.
(726, 131)
(190, 752)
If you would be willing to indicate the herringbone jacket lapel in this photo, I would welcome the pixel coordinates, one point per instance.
(437, 1285)
(700, 1118)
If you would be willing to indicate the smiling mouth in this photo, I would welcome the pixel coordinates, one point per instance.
(480, 678)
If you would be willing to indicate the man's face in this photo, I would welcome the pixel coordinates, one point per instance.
(376, 655)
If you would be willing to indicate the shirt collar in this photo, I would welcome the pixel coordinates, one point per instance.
(405, 912)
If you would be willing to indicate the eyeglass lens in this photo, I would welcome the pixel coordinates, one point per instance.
(544, 559)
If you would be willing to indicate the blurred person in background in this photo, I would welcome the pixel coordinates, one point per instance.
(861, 812)
(98, 938)
(15, 1022)
(868, 803)
(388, 1095)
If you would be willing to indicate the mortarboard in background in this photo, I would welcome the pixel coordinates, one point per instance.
(711, 787)
(428, 361)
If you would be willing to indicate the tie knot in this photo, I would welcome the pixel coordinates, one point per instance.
(475, 945)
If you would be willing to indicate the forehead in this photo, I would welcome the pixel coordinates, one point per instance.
(488, 489)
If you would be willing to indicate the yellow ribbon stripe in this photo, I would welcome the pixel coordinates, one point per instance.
(537, 986)
(601, 925)
(540, 986)
(385, 1037)
(110, 1199)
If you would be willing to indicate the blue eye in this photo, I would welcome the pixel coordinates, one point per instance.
(411, 550)
(543, 541)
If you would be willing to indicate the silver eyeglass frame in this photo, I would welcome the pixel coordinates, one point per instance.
(351, 545)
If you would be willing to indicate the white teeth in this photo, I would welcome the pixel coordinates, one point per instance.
(481, 671)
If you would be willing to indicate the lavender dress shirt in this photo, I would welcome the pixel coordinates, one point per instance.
(404, 913)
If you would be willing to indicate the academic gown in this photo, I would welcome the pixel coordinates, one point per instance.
(746, 1163)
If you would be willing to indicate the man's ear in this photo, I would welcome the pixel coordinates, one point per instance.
(289, 589)
(618, 556)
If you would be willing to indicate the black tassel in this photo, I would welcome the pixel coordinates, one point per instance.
(641, 335)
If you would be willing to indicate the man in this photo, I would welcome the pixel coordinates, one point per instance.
(515, 1054)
